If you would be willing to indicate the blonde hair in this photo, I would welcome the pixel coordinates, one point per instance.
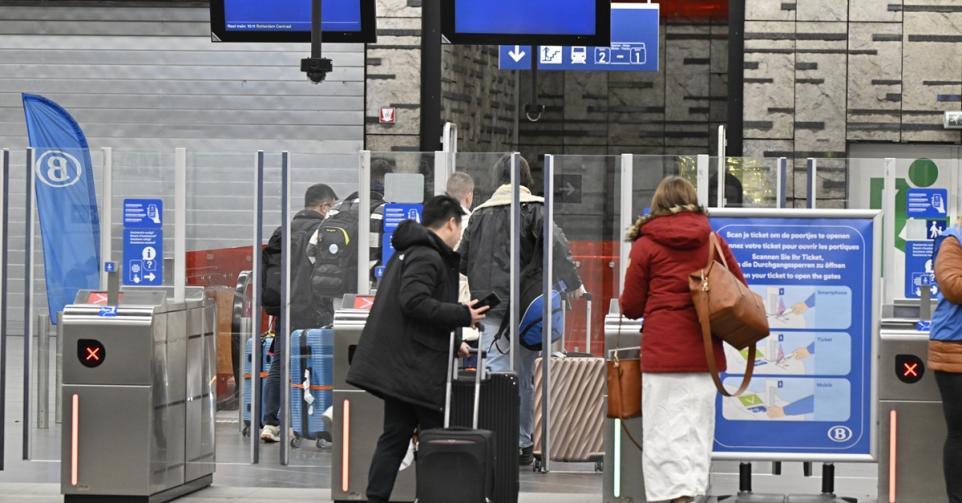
(674, 195)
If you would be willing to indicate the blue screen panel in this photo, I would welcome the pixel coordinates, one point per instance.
(526, 17)
(290, 15)
(536, 22)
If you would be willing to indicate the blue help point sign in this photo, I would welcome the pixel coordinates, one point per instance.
(634, 46)
(394, 214)
(143, 242)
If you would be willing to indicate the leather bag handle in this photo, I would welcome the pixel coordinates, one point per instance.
(705, 323)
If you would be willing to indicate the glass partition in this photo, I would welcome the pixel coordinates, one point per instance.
(749, 183)
(323, 271)
(914, 213)
(71, 250)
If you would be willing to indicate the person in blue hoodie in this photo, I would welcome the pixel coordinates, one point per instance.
(945, 352)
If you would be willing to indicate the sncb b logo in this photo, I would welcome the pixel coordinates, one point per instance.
(58, 169)
(840, 434)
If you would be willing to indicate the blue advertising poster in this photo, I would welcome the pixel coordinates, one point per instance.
(394, 214)
(634, 46)
(143, 242)
(812, 389)
(290, 15)
(927, 203)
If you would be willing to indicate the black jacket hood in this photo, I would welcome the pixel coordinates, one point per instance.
(410, 233)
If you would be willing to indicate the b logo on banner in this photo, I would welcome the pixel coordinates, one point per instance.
(58, 169)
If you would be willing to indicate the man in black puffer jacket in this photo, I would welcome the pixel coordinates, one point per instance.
(402, 356)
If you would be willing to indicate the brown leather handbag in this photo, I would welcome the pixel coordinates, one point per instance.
(728, 310)
(624, 389)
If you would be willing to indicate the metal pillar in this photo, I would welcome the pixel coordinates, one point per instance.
(29, 204)
(546, 328)
(284, 335)
(256, 305)
(430, 75)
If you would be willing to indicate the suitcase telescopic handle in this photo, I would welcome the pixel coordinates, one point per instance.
(448, 386)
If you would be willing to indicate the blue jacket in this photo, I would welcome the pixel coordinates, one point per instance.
(947, 320)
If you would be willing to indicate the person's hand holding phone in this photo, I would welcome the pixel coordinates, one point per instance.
(477, 312)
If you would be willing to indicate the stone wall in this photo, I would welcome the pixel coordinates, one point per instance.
(478, 97)
(820, 74)
(674, 111)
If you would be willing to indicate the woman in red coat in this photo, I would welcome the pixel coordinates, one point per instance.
(678, 395)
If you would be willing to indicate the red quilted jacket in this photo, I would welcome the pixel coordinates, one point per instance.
(668, 250)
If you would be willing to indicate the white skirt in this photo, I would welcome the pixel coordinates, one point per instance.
(678, 412)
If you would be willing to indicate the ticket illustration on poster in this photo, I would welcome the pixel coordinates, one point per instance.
(797, 353)
(811, 394)
(799, 399)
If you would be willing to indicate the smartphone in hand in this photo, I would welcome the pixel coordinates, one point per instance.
(491, 301)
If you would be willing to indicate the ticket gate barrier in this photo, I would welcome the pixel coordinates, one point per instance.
(623, 482)
(912, 427)
(137, 399)
(358, 416)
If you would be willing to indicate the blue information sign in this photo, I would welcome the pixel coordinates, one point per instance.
(927, 203)
(394, 214)
(919, 269)
(143, 242)
(143, 213)
(812, 390)
(634, 46)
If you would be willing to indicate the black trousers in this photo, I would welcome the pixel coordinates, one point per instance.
(950, 386)
(401, 419)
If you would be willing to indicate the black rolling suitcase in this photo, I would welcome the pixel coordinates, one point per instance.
(456, 464)
(500, 408)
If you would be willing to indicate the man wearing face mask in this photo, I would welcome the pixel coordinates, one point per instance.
(402, 356)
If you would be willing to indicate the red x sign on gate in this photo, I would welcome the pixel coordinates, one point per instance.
(910, 369)
(91, 353)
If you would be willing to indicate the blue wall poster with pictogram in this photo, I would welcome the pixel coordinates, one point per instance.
(394, 214)
(811, 394)
(143, 242)
(634, 46)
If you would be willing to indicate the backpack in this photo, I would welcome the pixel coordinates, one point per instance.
(531, 322)
(302, 313)
(271, 275)
(333, 249)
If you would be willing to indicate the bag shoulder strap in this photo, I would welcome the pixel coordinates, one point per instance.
(714, 248)
(705, 323)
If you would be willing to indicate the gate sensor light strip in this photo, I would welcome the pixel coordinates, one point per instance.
(893, 451)
(74, 439)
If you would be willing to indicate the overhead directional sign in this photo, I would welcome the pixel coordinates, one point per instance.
(634, 46)
(143, 242)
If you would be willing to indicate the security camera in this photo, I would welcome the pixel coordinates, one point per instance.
(317, 68)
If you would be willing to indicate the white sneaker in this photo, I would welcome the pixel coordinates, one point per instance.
(271, 433)
(328, 418)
